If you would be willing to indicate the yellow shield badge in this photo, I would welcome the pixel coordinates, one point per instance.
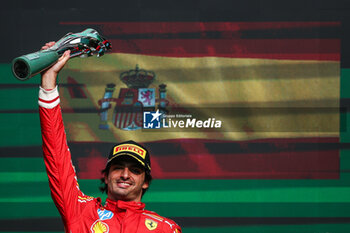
(150, 224)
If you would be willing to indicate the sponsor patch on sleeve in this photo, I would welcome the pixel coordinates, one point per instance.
(85, 198)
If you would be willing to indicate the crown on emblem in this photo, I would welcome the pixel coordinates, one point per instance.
(137, 78)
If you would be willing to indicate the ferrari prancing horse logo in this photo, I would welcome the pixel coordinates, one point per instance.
(150, 224)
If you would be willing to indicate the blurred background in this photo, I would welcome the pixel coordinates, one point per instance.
(274, 73)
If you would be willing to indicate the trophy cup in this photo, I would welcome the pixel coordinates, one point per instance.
(82, 44)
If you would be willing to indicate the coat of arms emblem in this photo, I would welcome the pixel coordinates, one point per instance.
(133, 100)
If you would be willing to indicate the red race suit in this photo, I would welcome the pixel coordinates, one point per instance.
(81, 213)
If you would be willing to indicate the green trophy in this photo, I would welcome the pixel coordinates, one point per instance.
(82, 44)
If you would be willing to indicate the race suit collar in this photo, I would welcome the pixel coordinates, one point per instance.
(124, 205)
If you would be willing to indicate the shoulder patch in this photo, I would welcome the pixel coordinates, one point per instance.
(151, 224)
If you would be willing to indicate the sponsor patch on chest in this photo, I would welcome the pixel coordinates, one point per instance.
(104, 214)
(99, 227)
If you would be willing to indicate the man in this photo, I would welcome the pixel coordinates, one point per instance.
(127, 175)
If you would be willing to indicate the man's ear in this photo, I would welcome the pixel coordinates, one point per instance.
(145, 184)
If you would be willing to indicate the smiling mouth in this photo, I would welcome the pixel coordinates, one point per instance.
(124, 185)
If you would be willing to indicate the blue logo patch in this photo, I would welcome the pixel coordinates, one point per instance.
(151, 120)
(104, 214)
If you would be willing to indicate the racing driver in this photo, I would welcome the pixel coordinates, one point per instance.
(127, 175)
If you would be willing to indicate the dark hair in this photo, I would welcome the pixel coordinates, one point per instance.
(104, 187)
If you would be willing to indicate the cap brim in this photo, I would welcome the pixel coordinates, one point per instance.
(130, 155)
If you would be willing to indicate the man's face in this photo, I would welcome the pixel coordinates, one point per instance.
(125, 180)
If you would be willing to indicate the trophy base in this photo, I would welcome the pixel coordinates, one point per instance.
(29, 65)
(21, 70)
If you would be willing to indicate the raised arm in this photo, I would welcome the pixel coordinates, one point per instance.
(64, 187)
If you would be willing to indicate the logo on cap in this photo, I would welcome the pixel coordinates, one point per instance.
(130, 148)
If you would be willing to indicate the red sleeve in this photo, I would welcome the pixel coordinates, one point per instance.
(65, 191)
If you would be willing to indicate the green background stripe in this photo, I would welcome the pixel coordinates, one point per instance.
(47, 209)
(22, 165)
(20, 129)
(159, 192)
